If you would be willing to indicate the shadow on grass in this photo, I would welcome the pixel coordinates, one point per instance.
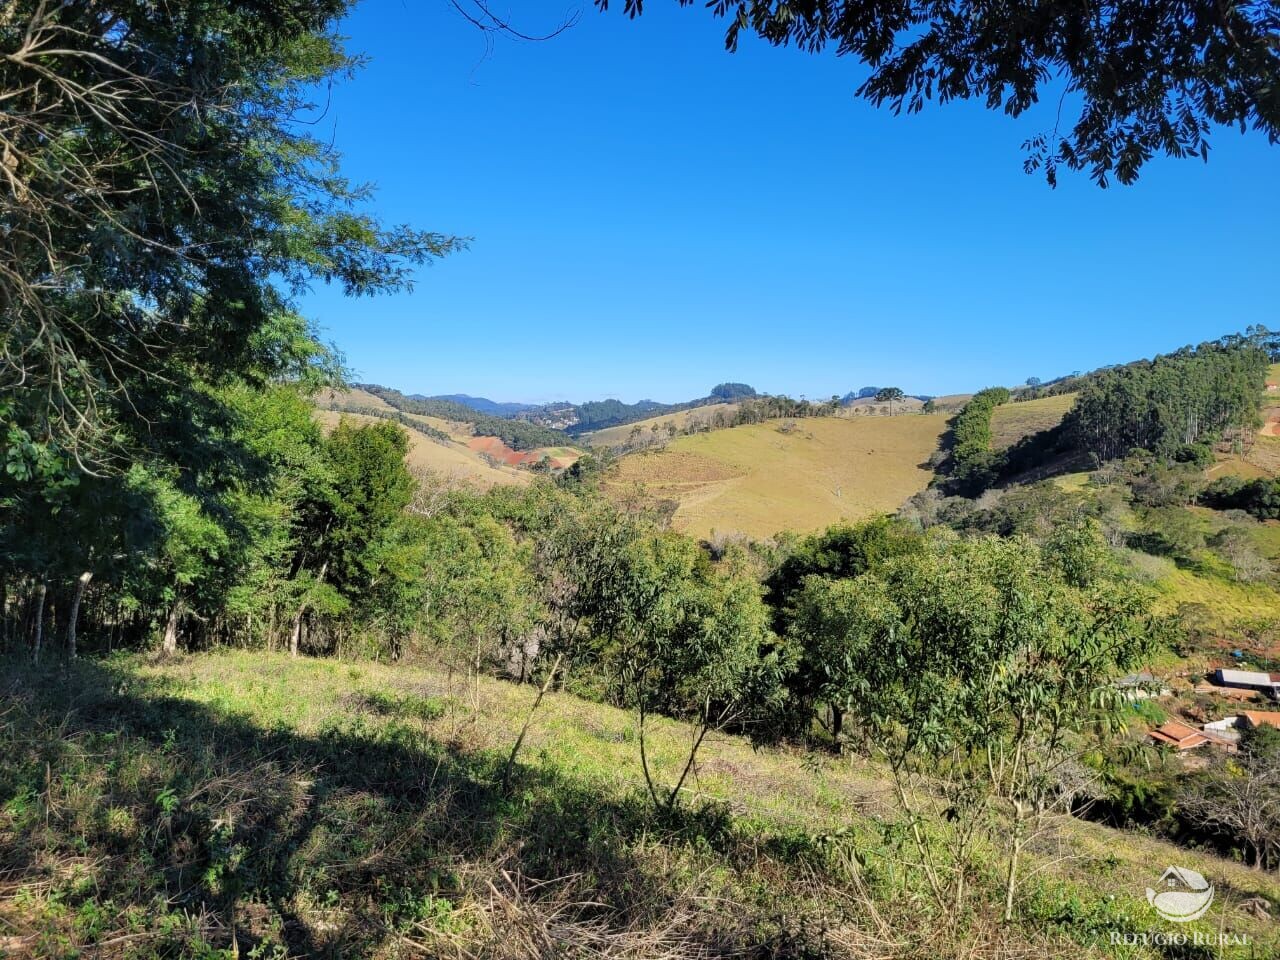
(331, 845)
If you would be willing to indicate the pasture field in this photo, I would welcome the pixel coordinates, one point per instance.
(800, 475)
(951, 402)
(235, 804)
(352, 397)
(454, 428)
(616, 436)
(451, 461)
(1010, 422)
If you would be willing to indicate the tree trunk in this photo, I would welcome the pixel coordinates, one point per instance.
(169, 645)
(528, 721)
(82, 584)
(837, 722)
(1015, 854)
(295, 636)
(39, 633)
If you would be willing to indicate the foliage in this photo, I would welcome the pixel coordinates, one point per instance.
(979, 662)
(971, 462)
(811, 610)
(687, 640)
(1173, 403)
(162, 206)
(732, 391)
(1259, 498)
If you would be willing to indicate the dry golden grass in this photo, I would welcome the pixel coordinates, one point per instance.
(616, 436)
(450, 461)
(759, 480)
(352, 397)
(951, 402)
(1010, 422)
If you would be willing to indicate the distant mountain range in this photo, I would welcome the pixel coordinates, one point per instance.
(481, 404)
(578, 418)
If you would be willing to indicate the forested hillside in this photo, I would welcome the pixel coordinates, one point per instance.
(517, 434)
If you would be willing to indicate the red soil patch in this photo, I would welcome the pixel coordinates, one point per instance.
(1272, 427)
(499, 451)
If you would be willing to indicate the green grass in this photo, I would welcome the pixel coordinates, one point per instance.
(244, 801)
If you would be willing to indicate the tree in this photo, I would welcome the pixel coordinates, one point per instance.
(889, 395)
(690, 641)
(140, 242)
(1239, 799)
(579, 558)
(1148, 78)
(341, 525)
(978, 668)
(732, 391)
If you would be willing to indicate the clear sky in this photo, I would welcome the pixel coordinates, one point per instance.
(651, 215)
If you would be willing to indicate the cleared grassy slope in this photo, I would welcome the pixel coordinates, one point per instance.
(353, 397)
(615, 436)
(246, 803)
(799, 475)
(452, 461)
(1010, 422)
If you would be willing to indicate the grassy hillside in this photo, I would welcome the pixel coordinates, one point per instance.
(354, 397)
(799, 475)
(249, 805)
(1010, 422)
(614, 436)
(452, 460)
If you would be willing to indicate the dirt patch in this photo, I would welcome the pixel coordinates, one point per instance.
(675, 467)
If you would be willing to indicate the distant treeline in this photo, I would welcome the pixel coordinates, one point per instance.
(972, 461)
(1173, 407)
(517, 434)
(401, 418)
(1171, 403)
(598, 414)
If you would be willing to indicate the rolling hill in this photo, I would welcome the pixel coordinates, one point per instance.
(796, 474)
(683, 419)
(451, 460)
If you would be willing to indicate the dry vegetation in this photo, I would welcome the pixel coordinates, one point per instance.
(616, 436)
(350, 398)
(787, 474)
(1010, 422)
(451, 462)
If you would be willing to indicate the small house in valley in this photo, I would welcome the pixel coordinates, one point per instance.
(1178, 735)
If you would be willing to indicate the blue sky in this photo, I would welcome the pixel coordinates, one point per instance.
(651, 215)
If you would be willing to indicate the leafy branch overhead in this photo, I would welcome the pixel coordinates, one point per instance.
(164, 201)
(1121, 80)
